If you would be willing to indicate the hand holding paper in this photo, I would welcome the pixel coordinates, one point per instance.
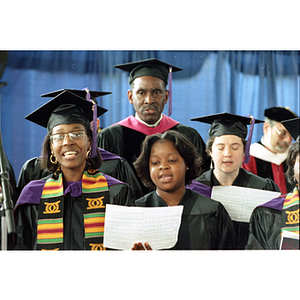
(157, 226)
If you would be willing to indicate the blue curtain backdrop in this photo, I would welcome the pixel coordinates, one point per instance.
(240, 82)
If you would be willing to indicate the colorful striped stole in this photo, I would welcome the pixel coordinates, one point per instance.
(95, 195)
(290, 212)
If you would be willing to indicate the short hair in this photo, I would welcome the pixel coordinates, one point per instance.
(270, 121)
(182, 144)
(46, 164)
(291, 158)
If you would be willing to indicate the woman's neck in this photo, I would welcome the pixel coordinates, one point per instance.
(226, 179)
(72, 175)
(171, 198)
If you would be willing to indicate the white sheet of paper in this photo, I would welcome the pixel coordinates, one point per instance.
(240, 201)
(156, 225)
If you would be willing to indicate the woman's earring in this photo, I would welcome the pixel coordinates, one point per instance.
(54, 162)
(88, 154)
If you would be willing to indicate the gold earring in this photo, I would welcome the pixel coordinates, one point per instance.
(88, 154)
(54, 162)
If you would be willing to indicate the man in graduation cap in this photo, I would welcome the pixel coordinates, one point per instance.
(268, 157)
(66, 210)
(112, 164)
(148, 80)
(270, 222)
(228, 147)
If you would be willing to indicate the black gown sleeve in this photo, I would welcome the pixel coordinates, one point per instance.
(31, 170)
(111, 139)
(26, 217)
(120, 169)
(265, 228)
(227, 238)
(271, 186)
(121, 194)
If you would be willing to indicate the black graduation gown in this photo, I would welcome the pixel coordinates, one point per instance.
(205, 224)
(244, 179)
(265, 229)
(127, 142)
(117, 167)
(26, 217)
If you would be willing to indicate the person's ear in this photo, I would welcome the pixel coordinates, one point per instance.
(167, 96)
(129, 95)
(266, 127)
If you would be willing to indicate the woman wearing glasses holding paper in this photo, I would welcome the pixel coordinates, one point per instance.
(65, 210)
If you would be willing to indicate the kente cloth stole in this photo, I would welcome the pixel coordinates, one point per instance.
(290, 212)
(95, 195)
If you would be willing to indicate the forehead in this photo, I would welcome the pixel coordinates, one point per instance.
(279, 126)
(148, 81)
(227, 139)
(163, 147)
(67, 127)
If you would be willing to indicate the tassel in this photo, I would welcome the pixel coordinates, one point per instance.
(247, 150)
(170, 92)
(94, 129)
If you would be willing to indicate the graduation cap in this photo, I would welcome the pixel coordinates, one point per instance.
(278, 113)
(82, 93)
(230, 124)
(151, 67)
(292, 126)
(68, 107)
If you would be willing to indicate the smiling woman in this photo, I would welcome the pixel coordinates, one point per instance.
(71, 148)
(64, 216)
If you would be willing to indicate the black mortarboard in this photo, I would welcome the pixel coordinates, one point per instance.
(292, 126)
(81, 93)
(226, 123)
(278, 113)
(151, 67)
(230, 124)
(42, 114)
(148, 67)
(67, 107)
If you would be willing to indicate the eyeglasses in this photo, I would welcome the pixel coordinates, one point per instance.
(281, 133)
(58, 138)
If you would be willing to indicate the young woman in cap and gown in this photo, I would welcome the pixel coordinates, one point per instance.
(168, 161)
(148, 81)
(112, 164)
(269, 221)
(66, 210)
(228, 147)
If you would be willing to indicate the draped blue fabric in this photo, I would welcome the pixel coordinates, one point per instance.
(240, 82)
